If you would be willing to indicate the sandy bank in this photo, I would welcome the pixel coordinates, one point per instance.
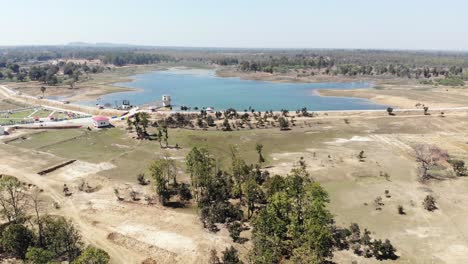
(409, 96)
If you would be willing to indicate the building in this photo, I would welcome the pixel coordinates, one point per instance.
(100, 121)
(166, 99)
(126, 105)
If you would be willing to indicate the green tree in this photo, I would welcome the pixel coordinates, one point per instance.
(317, 223)
(16, 239)
(240, 171)
(92, 255)
(162, 171)
(295, 223)
(200, 165)
(274, 184)
(39, 255)
(252, 194)
(61, 237)
(230, 256)
(234, 228)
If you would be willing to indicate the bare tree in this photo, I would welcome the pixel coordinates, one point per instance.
(428, 157)
(37, 203)
(13, 199)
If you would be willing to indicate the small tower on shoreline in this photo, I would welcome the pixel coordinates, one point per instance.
(166, 99)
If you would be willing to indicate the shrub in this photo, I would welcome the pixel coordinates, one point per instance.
(16, 239)
(92, 255)
(401, 210)
(39, 256)
(429, 203)
(235, 228)
(458, 167)
(230, 256)
(141, 179)
(451, 81)
(283, 123)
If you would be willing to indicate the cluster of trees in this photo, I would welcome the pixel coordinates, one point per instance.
(328, 66)
(352, 63)
(289, 215)
(164, 174)
(362, 244)
(140, 122)
(212, 189)
(37, 237)
(295, 223)
(122, 58)
(331, 62)
(232, 119)
(48, 73)
(274, 64)
(118, 56)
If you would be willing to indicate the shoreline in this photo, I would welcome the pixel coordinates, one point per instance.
(110, 82)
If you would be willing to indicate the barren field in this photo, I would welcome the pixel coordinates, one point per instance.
(134, 231)
(408, 95)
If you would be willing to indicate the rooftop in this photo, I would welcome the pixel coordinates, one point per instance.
(100, 118)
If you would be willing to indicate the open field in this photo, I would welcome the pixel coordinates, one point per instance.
(131, 231)
(9, 105)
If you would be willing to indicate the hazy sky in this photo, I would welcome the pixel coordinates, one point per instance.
(378, 24)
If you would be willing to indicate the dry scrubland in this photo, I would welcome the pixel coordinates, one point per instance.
(132, 231)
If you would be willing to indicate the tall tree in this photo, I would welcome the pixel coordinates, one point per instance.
(163, 171)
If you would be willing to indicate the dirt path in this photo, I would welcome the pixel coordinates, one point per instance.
(91, 233)
(56, 105)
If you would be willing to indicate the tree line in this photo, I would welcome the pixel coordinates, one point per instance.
(331, 66)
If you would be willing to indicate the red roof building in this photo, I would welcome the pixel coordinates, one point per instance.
(100, 121)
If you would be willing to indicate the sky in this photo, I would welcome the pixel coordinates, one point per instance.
(353, 24)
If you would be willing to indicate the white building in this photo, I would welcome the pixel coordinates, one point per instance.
(166, 99)
(100, 121)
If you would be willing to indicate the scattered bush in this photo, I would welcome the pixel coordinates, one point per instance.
(429, 203)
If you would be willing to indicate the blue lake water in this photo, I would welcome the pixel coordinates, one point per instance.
(201, 88)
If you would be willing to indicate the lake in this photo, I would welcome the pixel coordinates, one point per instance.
(202, 88)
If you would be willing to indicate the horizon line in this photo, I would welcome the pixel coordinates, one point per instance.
(126, 45)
